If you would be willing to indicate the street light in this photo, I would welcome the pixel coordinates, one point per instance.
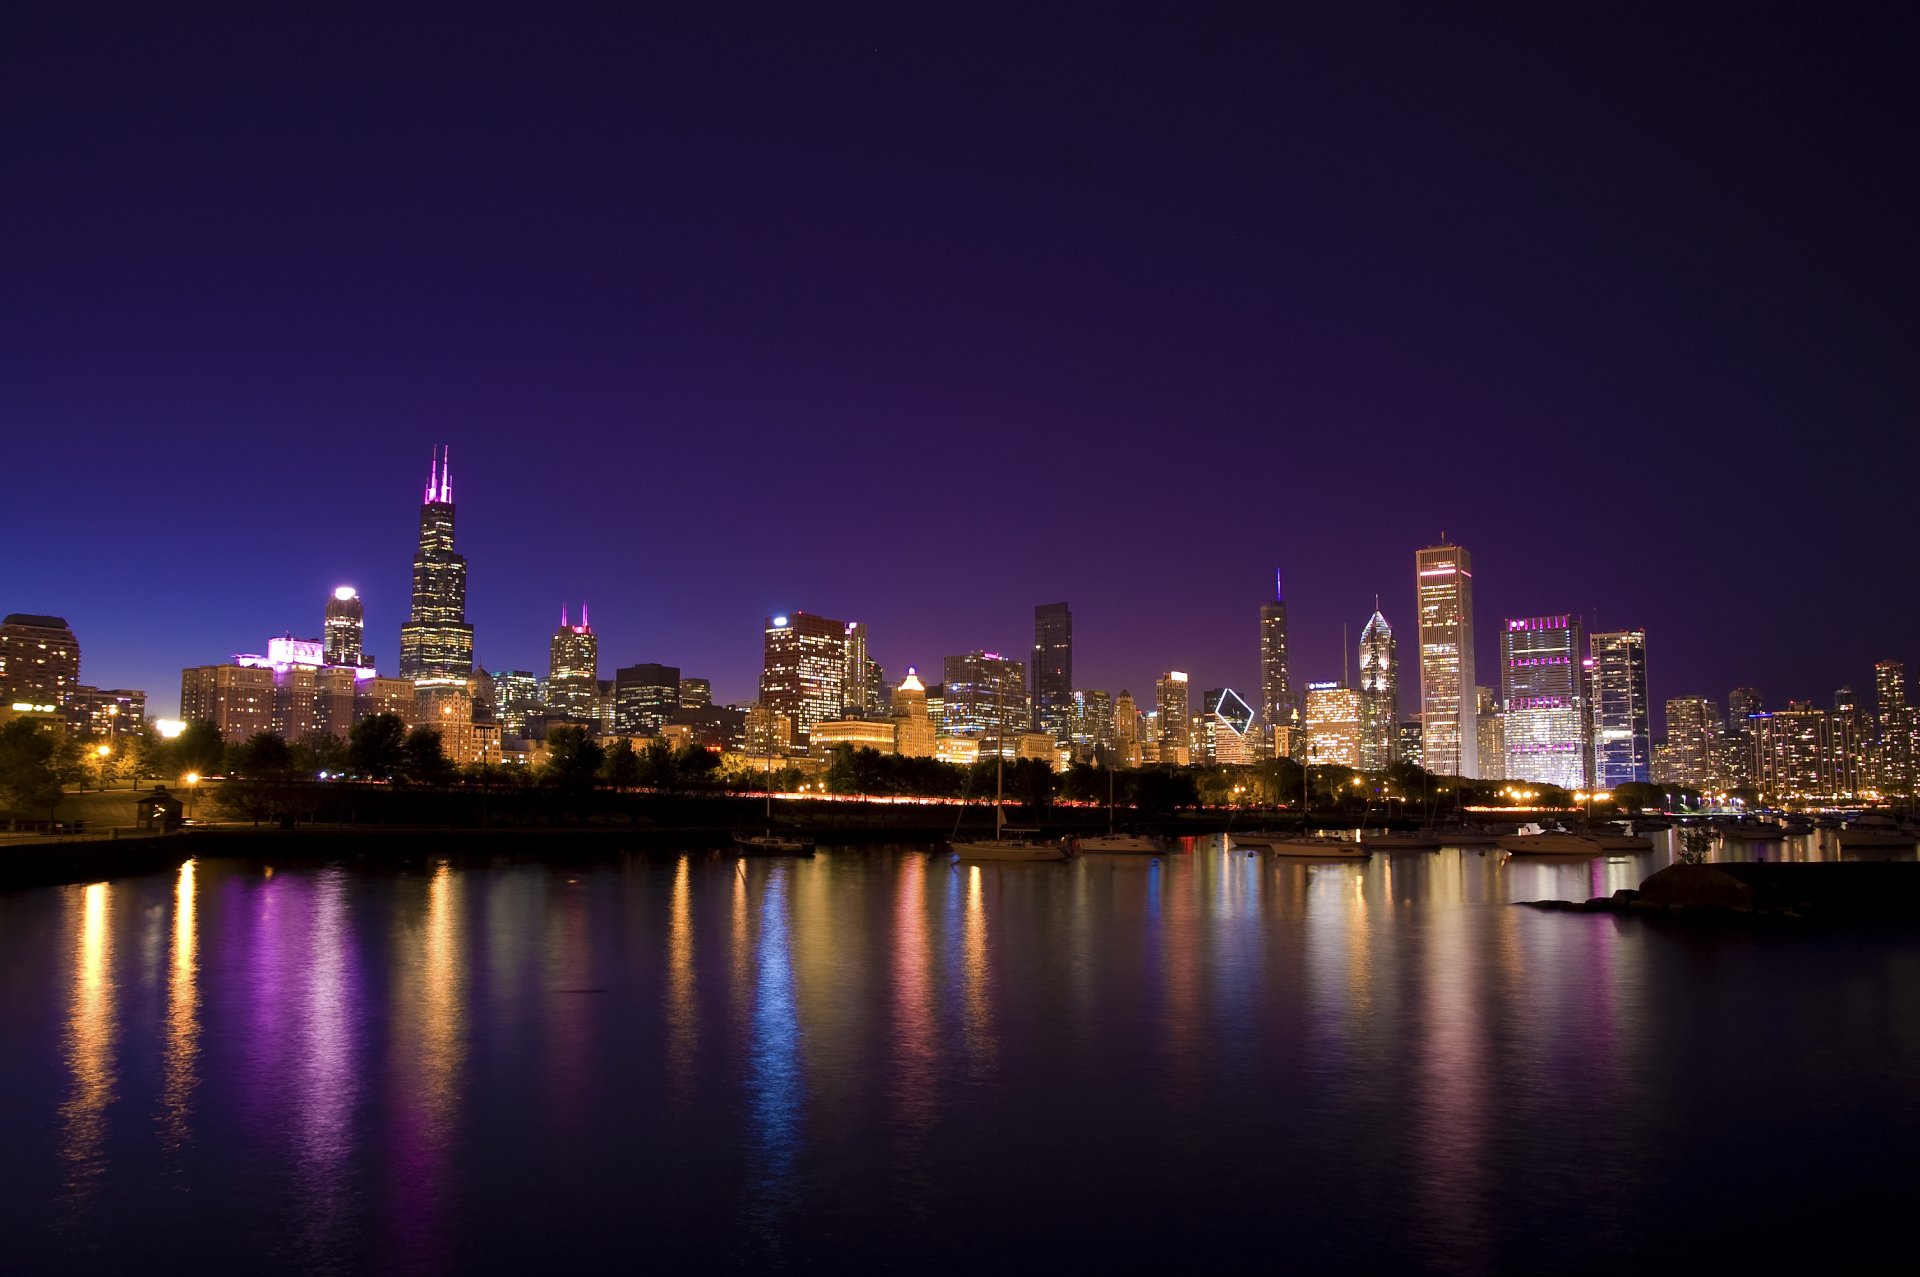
(193, 789)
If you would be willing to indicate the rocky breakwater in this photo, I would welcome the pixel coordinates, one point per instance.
(1877, 891)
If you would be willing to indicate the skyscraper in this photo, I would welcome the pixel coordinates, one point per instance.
(1379, 694)
(39, 661)
(1053, 670)
(1622, 722)
(1092, 729)
(1276, 692)
(1693, 733)
(1893, 730)
(804, 671)
(1225, 721)
(1449, 734)
(516, 698)
(573, 670)
(644, 698)
(1126, 730)
(1333, 725)
(986, 699)
(695, 693)
(436, 643)
(344, 631)
(1175, 706)
(913, 730)
(1541, 686)
(1492, 728)
(857, 690)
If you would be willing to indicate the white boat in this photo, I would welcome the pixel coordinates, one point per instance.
(1317, 848)
(1874, 830)
(772, 844)
(1119, 844)
(1006, 843)
(1532, 840)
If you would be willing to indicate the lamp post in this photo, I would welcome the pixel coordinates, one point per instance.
(193, 791)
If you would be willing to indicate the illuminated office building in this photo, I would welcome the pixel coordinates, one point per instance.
(1412, 748)
(1276, 691)
(768, 732)
(1174, 731)
(803, 672)
(1541, 686)
(644, 698)
(436, 643)
(1622, 720)
(1693, 735)
(517, 698)
(344, 632)
(914, 733)
(863, 691)
(1379, 694)
(1053, 670)
(39, 661)
(1450, 737)
(987, 700)
(1126, 730)
(573, 671)
(1224, 733)
(876, 734)
(1333, 725)
(695, 693)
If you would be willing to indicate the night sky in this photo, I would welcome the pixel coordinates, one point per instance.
(922, 316)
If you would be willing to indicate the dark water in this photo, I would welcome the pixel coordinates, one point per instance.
(875, 1060)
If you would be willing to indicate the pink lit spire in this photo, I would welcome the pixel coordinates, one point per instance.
(585, 624)
(563, 616)
(433, 477)
(446, 473)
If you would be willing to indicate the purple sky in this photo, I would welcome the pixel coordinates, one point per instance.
(926, 316)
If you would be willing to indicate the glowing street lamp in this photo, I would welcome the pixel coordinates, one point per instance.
(193, 790)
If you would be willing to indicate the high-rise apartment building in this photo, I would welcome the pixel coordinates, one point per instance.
(1792, 753)
(1693, 734)
(987, 700)
(344, 632)
(1126, 730)
(1091, 732)
(803, 673)
(1276, 689)
(573, 671)
(1542, 688)
(436, 643)
(1622, 720)
(1450, 737)
(1053, 670)
(1850, 739)
(1894, 730)
(39, 661)
(1333, 725)
(1175, 729)
(644, 698)
(1379, 694)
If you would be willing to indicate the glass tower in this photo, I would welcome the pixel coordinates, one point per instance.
(1379, 695)
(1449, 727)
(1276, 692)
(1622, 723)
(1053, 670)
(436, 643)
(1541, 678)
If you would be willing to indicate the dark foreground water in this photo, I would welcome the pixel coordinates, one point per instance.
(876, 1060)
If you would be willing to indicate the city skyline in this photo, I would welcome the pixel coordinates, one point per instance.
(1213, 288)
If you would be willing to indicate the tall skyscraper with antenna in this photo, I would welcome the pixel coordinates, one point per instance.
(573, 669)
(436, 643)
(1276, 691)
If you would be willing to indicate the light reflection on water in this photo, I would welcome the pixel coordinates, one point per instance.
(429, 1070)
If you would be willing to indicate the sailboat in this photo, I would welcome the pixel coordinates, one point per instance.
(769, 843)
(1007, 843)
(1112, 843)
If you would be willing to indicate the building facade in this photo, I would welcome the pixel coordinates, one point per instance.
(1450, 737)
(1693, 736)
(1622, 721)
(914, 733)
(1053, 670)
(344, 629)
(1126, 730)
(1333, 725)
(436, 643)
(39, 661)
(804, 670)
(1379, 694)
(1542, 681)
(573, 671)
(1277, 704)
(1174, 730)
(644, 698)
(987, 700)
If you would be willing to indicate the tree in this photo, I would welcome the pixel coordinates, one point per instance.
(262, 756)
(423, 759)
(573, 758)
(376, 747)
(318, 754)
(621, 765)
(199, 748)
(30, 768)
